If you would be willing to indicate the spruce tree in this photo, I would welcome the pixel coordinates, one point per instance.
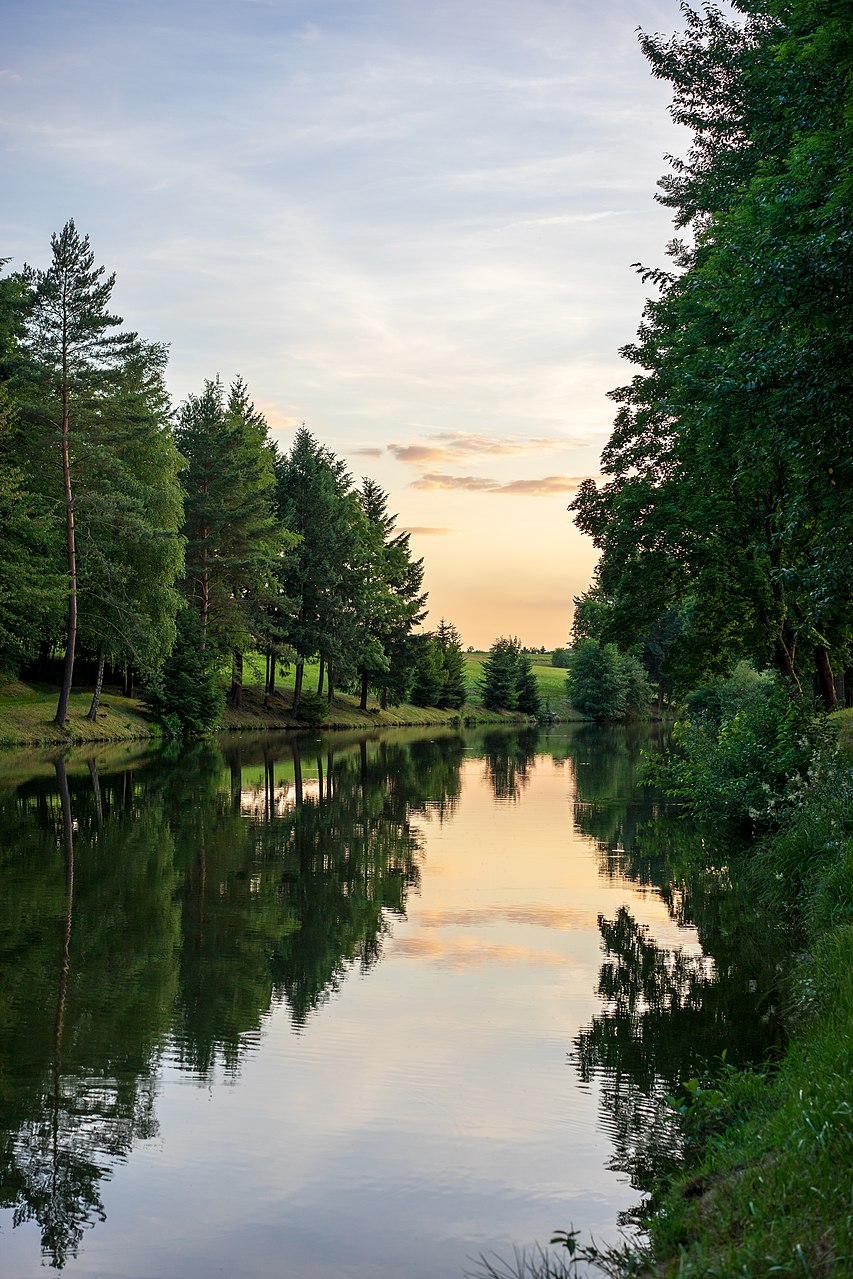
(74, 340)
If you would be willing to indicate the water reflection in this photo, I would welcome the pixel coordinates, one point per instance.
(669, 1012)
(157, 911)
(178, 901)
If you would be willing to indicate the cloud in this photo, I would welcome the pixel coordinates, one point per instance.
(426, 531)
(366, 452)
(544, 487)
(448, 446)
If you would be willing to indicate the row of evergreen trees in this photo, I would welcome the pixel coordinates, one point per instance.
(131, 533)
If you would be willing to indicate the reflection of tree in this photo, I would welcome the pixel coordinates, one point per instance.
(182, 897)
(669, 1014)
(87, 939)
(610, 806)
(509, 759)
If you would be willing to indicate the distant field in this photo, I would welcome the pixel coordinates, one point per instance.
(551, 679)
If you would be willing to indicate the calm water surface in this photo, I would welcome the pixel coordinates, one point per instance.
(344, 1006)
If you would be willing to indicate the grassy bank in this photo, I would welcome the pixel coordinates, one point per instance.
(27, 710)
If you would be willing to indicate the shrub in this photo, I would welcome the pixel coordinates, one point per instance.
(750, 763)
(185, 694)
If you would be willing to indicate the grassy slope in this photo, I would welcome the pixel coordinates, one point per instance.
(27, 711)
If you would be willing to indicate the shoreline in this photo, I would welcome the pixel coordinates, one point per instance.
(26, 718)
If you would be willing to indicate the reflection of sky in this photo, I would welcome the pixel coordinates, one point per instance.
(410, 225)
(429, 1111)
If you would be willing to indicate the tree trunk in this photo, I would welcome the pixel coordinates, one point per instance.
(364, 682)
(330, 684)
(271, 679)
(785, 663)
(321, 675)
(99, 683)
(236, 694)
(297, 685)
(127, 680)
(825, 679)
(71, 553)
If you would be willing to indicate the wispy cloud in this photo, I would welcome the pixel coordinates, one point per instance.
(449, 446)
(425, 530)
(545, 486)
(366, 452)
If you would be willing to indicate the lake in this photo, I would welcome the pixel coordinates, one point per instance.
(348, 1006)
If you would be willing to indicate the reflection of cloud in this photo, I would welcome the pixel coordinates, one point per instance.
(543, 487)
(464, 953)
(542, 916)
(425, 530)
(448, 446)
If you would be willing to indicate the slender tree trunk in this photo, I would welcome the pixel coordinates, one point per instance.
(330, 684)
(127, 680)
(785, 663)
(825, 678)
(271, 680)
(321, 676)
(205, 591)
(236, 679)
(297, 685)
(99, 683)
(71, 552)
(364, 682)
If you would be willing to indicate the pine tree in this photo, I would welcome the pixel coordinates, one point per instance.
(235, 539)
(454, 691)
(72, 336)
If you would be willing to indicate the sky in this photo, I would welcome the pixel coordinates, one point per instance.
(408, 224)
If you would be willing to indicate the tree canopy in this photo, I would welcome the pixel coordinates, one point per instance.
(728, 493)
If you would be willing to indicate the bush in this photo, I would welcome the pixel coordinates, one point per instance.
(606, 684)
(313, 709)
(748, 760)
(185, 694)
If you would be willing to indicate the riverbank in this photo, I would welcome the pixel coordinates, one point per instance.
(27, 711)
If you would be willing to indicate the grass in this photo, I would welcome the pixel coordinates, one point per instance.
(27, 712)
(773, 1194)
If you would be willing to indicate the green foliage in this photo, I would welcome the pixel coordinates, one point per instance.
(729, 495)
(753, 762)
(454, 692)
(234, 541)
(605, 684)
(186, 692)
(313, 709)
(508, 682)
(561, 658)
